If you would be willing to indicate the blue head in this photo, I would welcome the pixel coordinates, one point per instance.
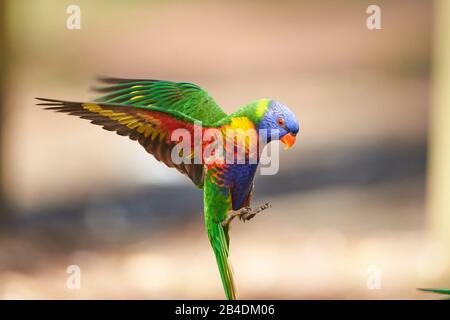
(280, 122)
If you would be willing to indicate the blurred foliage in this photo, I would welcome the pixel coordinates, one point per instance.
(438, 291)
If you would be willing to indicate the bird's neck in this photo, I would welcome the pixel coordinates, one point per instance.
(254, 111)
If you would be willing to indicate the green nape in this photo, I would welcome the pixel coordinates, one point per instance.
(255, 111)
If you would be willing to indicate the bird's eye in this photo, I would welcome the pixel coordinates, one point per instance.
(281, 122)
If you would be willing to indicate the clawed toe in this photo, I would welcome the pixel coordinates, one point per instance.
(244, 214)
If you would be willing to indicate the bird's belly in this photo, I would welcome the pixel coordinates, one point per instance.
(243, 176)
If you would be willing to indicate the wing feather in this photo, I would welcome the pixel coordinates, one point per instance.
(184, 97)
(151, 128)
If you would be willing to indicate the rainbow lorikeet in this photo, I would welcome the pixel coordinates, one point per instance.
(150, 111)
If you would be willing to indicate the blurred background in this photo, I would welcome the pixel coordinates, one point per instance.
(365, 188)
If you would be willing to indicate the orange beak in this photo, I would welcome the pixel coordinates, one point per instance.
(288, 140)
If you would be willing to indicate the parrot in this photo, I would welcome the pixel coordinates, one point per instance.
(150, 111)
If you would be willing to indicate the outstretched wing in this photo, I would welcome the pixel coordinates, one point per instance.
(187, 98)
(151, 126)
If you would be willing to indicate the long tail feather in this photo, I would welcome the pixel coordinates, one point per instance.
(219, 243)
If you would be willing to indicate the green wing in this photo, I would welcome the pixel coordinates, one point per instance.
(148, 111)
(184, 97)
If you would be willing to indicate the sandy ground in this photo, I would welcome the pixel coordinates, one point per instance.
(329, 248)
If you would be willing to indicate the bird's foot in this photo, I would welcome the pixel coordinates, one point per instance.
(245, 214)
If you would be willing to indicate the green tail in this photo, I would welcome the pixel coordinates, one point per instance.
(219, 243)
(217, 203)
